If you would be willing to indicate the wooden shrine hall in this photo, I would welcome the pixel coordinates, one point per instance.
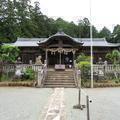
(61, 48)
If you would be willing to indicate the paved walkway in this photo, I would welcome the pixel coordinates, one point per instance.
(39, 104)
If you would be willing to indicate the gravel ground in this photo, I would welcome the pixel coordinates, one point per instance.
(105, 104)
(22, 103)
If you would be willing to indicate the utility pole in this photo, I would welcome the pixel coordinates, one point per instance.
(91, 42)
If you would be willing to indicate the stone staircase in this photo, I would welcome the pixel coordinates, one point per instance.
(59, 79)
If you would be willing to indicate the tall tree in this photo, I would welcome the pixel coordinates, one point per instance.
(105, 33)
(40, 22)
(23, 17)
(84, 29)
(115, 38)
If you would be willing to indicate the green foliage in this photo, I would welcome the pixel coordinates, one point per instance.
(114, 56)
(8, 53)
(18, 18)
(115, 37)
(4, 78)
(84, 29)
(82, 57)
(84, 66)
(83, 63)
(105, 33)
(29, 74)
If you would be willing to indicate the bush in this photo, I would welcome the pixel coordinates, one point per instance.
(6, 76)
(84, 66)
(82, 57)
(8, 53)
(29, 74)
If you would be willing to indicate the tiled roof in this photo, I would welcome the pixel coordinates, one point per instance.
(98, 42)
(33, 42)
(28, 42)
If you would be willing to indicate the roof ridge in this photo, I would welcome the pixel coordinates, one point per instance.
(29, 39)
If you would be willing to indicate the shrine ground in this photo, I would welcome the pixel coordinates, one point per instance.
(22, 103)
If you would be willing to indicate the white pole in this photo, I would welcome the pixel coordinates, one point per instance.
(91, 41)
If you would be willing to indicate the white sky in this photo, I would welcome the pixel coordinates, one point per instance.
(104, 12)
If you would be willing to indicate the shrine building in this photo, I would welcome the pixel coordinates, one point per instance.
(61, 48)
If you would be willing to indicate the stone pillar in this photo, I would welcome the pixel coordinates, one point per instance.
(39, 78)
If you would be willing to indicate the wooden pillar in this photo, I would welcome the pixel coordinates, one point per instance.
(60, 58)
(73, 58)
(46, 56)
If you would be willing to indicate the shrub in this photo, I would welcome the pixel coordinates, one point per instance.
(82, 57)
(29, 74)
(84, 66)
(9, 53)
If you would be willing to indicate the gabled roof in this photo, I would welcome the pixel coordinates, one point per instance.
(60, 34)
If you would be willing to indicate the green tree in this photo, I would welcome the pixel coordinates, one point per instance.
(114, 56)
(105, 33)
(84, 29)
(8, 53)
(115, 38)
(23, 18)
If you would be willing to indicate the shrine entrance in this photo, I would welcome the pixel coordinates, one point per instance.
(57, 58)
(60, 50)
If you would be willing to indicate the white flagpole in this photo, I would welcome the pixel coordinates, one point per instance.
(91, 41)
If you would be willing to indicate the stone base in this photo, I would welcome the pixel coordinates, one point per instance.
(79, 106)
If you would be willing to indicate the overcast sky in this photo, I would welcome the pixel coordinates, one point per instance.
(104, 12)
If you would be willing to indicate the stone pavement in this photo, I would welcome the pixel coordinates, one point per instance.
(55, 107)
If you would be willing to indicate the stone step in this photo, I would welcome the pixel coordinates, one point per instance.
(60, 78)
(57, 82)
(60, 75)
(60, 72)
(60, 83)
(59, 86)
